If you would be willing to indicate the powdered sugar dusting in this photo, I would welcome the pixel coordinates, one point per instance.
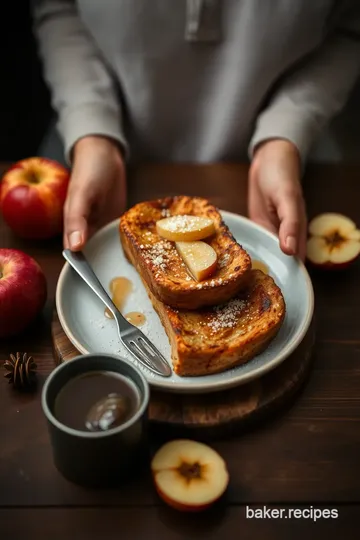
(186, 223)
(224, 260)
(159, 253)
(226, 316)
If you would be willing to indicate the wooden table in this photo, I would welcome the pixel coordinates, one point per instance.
(309, 455)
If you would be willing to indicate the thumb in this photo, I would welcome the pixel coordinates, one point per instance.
(291, 214)
(76, 214)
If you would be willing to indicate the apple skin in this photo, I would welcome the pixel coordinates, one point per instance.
(330, 266)
(182, 507)
(32, 197)
(23, 291)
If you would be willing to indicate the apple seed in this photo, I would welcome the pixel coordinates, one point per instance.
(191, 471)
(334, 239)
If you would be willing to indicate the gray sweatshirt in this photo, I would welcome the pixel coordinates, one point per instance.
(198, 80)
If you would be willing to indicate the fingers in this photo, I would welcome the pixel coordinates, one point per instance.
(285, 217)
(267, 224)
(97, 190)
(293, 223)
(283, 213)
(76, 213)
(275, 195)
(259, 211)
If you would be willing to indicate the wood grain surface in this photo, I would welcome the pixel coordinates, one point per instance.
(306, 456)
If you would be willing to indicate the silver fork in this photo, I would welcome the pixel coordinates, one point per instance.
(133, 339)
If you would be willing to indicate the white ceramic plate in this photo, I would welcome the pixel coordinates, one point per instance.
(81, 313)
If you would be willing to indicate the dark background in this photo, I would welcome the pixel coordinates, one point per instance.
(24, 99)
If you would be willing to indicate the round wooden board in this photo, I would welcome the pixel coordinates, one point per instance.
(219, 412)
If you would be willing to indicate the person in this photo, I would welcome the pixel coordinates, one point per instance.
(195, 81)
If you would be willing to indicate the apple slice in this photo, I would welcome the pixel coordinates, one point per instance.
(334, 241)
(188, 475)
(199, 257)
(185, 228)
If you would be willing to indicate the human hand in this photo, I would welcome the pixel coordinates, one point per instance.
(275, 198)
(97, 190)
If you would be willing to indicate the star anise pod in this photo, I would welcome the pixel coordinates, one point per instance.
(21, 370)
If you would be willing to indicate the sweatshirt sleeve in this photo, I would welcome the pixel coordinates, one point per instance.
(83, 92)
(307, 99)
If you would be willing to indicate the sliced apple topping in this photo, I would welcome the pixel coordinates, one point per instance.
(199, 257)
(334, 241)
(189, 475)
(185, 228)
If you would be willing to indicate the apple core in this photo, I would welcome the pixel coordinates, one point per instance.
(191, 471)
(335, 239)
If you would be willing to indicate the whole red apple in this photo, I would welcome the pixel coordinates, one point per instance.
(23, 291)
(32, 197)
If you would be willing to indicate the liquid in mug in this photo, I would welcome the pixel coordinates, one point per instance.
(97, 401)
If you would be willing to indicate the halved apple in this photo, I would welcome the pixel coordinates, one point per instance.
(188, 475)
(199, 257)
(334, 241)
(185, 228)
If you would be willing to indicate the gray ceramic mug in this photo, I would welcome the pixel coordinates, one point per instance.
(97, 459)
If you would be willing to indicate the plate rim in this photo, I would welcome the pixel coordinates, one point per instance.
(214, 386)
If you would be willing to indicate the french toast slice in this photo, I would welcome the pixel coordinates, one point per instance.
(162, 268)
(215, 339)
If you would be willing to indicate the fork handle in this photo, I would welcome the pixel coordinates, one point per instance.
(78, 262)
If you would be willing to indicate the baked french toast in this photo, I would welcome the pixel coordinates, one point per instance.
(163, 269)
(217, 338)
